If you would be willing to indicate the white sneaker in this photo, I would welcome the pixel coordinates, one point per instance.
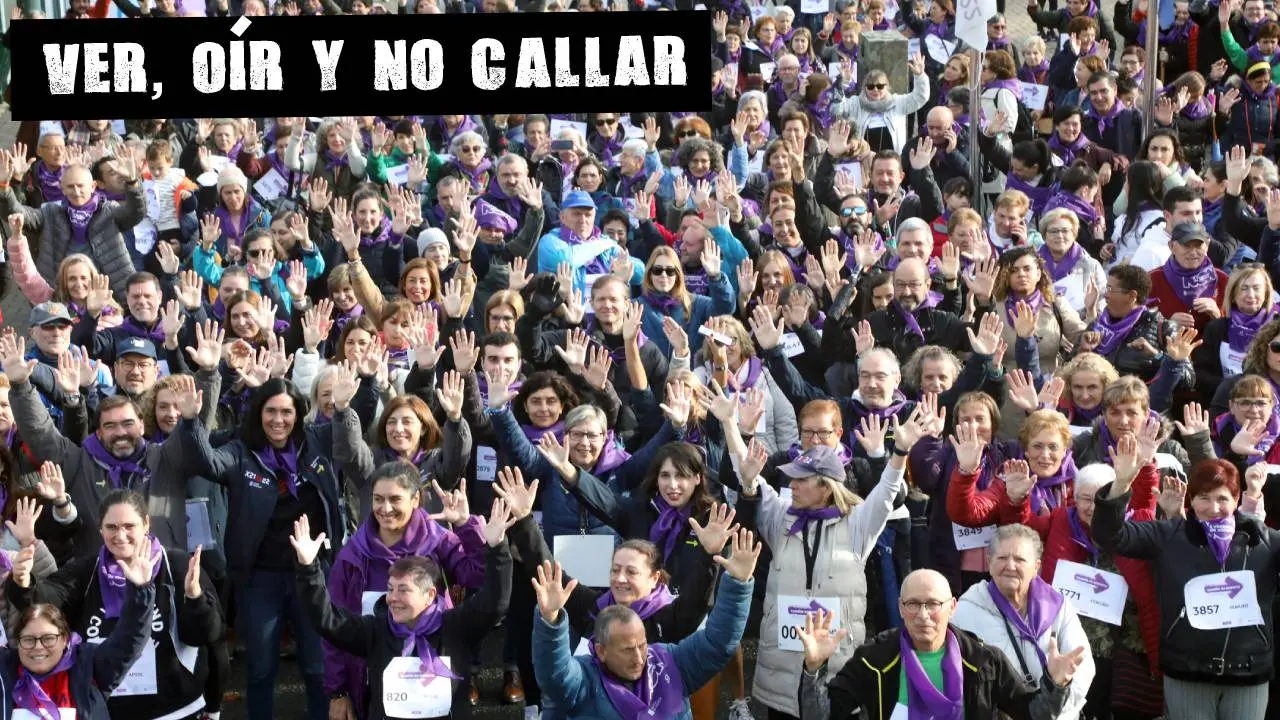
(740, 710)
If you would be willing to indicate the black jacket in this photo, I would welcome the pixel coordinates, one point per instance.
(1179, 551)
(180, 674)
(369, 636)
(98, 669)
(867, 685)
(1129, 361)
(939, 327)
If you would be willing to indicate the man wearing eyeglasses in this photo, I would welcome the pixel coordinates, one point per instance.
(1188, 288)
(928, 669)
(952, 158)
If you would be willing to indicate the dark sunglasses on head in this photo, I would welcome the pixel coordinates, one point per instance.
(669, 271)
(877, 86)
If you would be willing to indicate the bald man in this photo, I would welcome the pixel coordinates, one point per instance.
(952, 159)
(949, 673)
(913, 318)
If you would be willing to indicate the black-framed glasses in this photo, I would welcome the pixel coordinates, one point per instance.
(28, 642)
(821, 435)
(668, 271)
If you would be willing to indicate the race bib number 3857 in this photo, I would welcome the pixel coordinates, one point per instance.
(1222, 600)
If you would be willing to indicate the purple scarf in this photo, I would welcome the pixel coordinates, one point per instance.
(1059, 269)
(1114, 331)
(861, 410)
(50, 182)
(1035, 300)
(343, 318)
(1034, 74)
(27, 693)
(421, 537)
(805, 515)
(1075, 412)
(941, 29)
(1044, 495)
(597, 265)
(111, 580)
(283, 464)
(1043, 604)
(1219, 533)
(1242, 328)
(380, 236)
(671, 525)
(696, 281)
(478, 176)
(155, 334)
(233, 229)
(514, 207)
(1189, 285)
(660, 693)
(466, 125)
(118, 469)
(417, 639)
(1174, 35)
(1068, 152)
(924, 701)
(80, 217)
(909, 318)
(1011, 85)
(334, 164)
(1105, 119)
(1039, 195)
(534, 434)
(611, 456)
(1199, 110)
(607, 149)
(647, 606)
(1256, 56)
(1078, 206)
(662, 302)
(1079, 535)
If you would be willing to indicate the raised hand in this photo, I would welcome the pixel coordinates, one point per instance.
(208, 350)
(990, 331)
(140, 569)
(450, 395)
(969, 448)
(679, 401)
(518, 496)
(1018, 480)
(1195, 419)
(1124, 458)
(305, 546)
(13, 353)
(718, 530)
(494, 528)
(1024, 320)
(863, 340)
(676, 335)
(192, 583)
(454, 508)
(741, 563)
(1255, 477)
(906, 434)
(574, 352)
(1173, 498)
(819, 642)
(551, 590)
(1052, 392)
(99, 294)
(67, 375)
(768, 334)
(1245, 442)
(870, 434)
(346, 381)
(597, 371)
(1063, 667)
(557, 455)
(750, 467)
(169, 260)
(23, 524)
(1180, 345)
(23, 562)
(1022, 391)
(463, 346)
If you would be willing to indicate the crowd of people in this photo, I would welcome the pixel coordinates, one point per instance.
(619, 389)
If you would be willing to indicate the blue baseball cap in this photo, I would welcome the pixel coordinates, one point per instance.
(135, 346)
(817, 460)
(577, 199)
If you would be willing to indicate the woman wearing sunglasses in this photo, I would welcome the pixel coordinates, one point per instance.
(878, 114)
(1247, 306)
(666, 294)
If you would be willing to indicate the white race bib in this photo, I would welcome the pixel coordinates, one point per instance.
(589, 558)
(968, 538)
(1232, 361)
(1071, 289)
(145, 235)
(791, 345)
(1093, 593)
(792, 611)
(1222, 600)
(141, 678)
(1033, 95)
(899, 712)
(398, 175)
(63, 714)
(486, 463)
(407, 694)
(368, 599)
(271, 185)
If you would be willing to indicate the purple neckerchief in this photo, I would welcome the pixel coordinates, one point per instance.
(233, 229)
(671, 525)
(1241, 328)
(417, 640)
(422, 536)
(1059, 269)
(806, 515)
(478, 176)
(466, 125)
(136, 329)
(1010, 84)
(218, 310)
(1045, 493)
(662, 302)
(629, 184)
(1227, 421)
(941, 29)
(276, 158)
(27, 693)
(1105, 119)
(534, 434)
(861, 410)
(1175, 34)
(1199, 109)
(118, 469)
(80, 217)
(107, 195)
(50, 181)
(6, 564)
(821, 109)
(611, 456)
(597, 265)
(340, 322)
(398, 358)
(909, 318)
(381, 235)
(1190, 285)
(1266, 96)
(924, 700)
(779, 92)
(1256, 55)
(1078, 206)
(660, 693)
(1038, 194)
(283, 464)
(111, 580)
(774, 48)
(1079, 534)
(231, 154)
(1067, 152)
(607, 149)
(1091, 11)
(747, 374)
(1035, 74)
(334, 164)
(1035, 300)
(647, 606)
(1108, 442)
(1075, 412)
(1001, 43)
(1114, 331)
(1219, 533)
(844, 452)
(944, 90)
(482, 385)
(496, 197)
(1043, 605)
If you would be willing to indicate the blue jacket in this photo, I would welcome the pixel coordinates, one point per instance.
(205, 263)
(552, 251)
(574, 682)
(703, 308)
(562, 514)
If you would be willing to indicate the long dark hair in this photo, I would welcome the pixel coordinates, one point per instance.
(687, 460)
(1146, 187)
(251, 429)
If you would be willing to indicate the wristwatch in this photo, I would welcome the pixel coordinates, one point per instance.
(72, 400)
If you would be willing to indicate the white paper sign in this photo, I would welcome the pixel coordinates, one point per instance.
(368, 599)
(271, 185)
(398, 175)
(218, 162)
(558, 125)
(141, 678)
(853, 170)
(635, 133)
(1222, 600)
(939, 49)
(755, 163)
(51, 127)
(407, 692)
(1033, 95)
(968, 538)
(486, 463)
(766, 71)
(792, 611)
(1232, 361)
(1071, 289)
(913, 47)
(589, 558)
(1093, 593)
(63, 714)
(791, 345)
(814, 7)
(199, 528)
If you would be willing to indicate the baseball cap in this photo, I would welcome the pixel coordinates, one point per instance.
(488, 216)
(1184, 233)
(577, 199)
(817, 460)
(135, 346)
(48, 313)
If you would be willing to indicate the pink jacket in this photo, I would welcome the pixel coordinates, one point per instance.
(34, 287)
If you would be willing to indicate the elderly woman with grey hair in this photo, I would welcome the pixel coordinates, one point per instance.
(636, 161)
(470, 160)
(878, 114)
(335, 158)
(1025, 616)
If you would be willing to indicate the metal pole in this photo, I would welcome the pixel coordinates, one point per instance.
(975, 116)
(1153, 63)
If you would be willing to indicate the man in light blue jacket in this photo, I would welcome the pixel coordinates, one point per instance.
(579, 243)
(624, 676)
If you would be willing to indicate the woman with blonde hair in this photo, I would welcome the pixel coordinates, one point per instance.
(1071, 270)
(666, 295)
(1083, 380)
(75, 276)
(772, 274)
(503, 310)
(1047, 459)
(1248, 304)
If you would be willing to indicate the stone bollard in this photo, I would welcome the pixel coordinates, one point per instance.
(885, 50)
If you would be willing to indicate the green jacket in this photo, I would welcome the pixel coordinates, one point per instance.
(1240, 57)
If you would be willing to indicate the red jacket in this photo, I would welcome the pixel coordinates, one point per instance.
(1169, 303)
(971, 507)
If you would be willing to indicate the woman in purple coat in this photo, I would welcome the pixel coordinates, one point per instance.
(396, 528)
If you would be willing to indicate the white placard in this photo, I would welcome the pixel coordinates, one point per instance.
(407, 692)
(145, 235)
(486, 463)
(217, 162)
(118, 127)
(854, 170)
(939, 49)
(1222, 600)
(755, 163)
(1093, 593)
(718, 337)
(199, 527)
(1033, 95)
(757, 11)
(141, 678)
(968, 538)
(558, 125)
(792, 611)
(51, 127)
(63, 714)
(635, 133)
(1232, 361)
(271, 185)
(814, 7)
(398, 175)
(1071, 289)
(791, 345)
(589, 558)
(913, 47)
(766, 71)
(368, 599)
(971, 21)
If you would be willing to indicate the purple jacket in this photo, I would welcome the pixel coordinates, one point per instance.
(460, 555)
